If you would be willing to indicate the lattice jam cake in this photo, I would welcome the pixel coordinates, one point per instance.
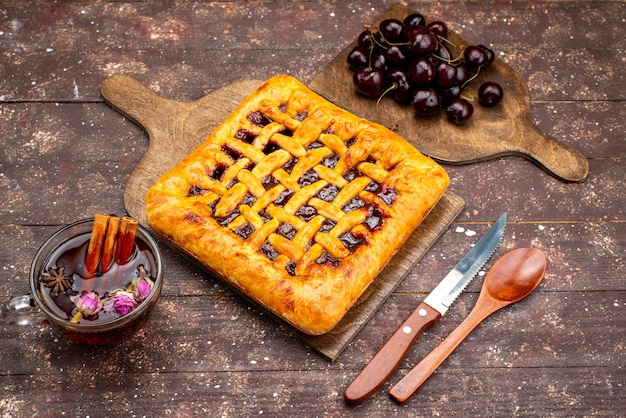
(296, 202)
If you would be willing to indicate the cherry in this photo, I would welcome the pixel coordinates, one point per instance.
(421, 72)
(365, 39)
(441, 53)
(391, 29)
(368, 81)
(426, 101)
(490, 54)
(490, 94)
(439, 28)
(414, 19)
(358, 57)
(421, 40)
(450, 93)
(379, 61)
(474, 57)
(399, 82)
(396, 56)
(459, 111)
(463, 74)
(379, 40)
(446, 74)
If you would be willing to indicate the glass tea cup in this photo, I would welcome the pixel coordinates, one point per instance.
(63, 254)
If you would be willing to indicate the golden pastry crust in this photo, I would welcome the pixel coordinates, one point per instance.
(296, 202)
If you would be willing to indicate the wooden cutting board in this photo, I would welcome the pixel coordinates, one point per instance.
(506, 129)
(176, 128)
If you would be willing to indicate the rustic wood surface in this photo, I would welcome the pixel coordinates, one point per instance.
(206, 352)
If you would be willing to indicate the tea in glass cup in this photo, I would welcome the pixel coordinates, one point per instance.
(99, 303)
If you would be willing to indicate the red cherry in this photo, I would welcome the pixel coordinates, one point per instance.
(421, 40)
(490, 94)
(439, 28)
(368, 82)
(459, 111)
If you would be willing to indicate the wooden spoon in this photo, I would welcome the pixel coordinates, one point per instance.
(513, 277)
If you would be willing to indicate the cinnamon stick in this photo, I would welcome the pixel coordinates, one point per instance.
(96, 241)
(108, 250)
(126, 240)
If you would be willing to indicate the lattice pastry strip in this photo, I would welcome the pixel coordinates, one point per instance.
(373, 171)
(351, 190)
(270, 110)
(330, 176)
(285, 247)
(252, 183)
(259, 236)
(286, 180)
(249, 151)
(303, 196)
(327, 209)
(270, 163)
(305, 235)
(249, 216)
(230, 201)
(285, 217)
(288, 144)
(331, 242)
(232, 171)
(266, 134)
(268, 197)
(313, 126)
(335, 143)
(310, 160)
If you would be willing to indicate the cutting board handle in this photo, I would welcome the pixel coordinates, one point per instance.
(174, 128)
(135, 101)
(553, 156)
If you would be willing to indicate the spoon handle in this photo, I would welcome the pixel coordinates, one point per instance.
(403, 390)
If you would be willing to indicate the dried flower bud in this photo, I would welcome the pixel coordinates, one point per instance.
(141, 288)
(121, 302)
(87, 305)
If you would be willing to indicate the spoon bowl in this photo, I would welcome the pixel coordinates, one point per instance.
(513, 277)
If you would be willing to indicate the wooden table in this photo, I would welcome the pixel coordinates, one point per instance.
(67, 155)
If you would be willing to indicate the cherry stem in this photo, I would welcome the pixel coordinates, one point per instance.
(392, 87)
(468, 97)
(469, 80)
(446, 40)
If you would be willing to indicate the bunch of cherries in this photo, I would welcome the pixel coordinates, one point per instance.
(412, 62)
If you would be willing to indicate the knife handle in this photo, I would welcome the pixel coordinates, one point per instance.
(389, 357)
(412, 381)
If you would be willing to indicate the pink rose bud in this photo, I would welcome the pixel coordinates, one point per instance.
(123, 302)
(143, 289)
(87, 305)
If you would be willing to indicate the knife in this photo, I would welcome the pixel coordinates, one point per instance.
(436, 304)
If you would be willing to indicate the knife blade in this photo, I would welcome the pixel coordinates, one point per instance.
(436, 304)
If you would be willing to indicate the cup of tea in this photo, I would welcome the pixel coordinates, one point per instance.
(96, 282)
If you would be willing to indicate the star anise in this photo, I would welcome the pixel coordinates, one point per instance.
(57, 280)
